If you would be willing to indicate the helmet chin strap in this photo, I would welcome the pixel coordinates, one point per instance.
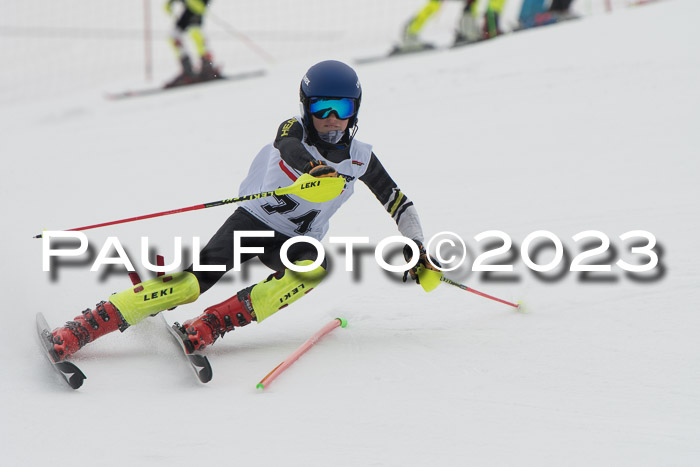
(354, 129)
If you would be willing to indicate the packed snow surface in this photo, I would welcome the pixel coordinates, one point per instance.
(586, 125)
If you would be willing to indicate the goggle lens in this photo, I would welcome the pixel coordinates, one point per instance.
(322, 107)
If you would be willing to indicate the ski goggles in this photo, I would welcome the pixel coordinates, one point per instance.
(323, 107)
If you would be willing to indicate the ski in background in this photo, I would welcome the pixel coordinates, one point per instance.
(463, 42)
(161, 89)
(396, 51)
(69, 372)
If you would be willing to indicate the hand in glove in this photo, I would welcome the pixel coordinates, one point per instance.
(319, 169)
(423, 269)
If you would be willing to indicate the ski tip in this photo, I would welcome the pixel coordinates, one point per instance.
(260, 387)
(343, 322)
(76, 380)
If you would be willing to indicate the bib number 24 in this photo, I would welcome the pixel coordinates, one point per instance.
(286, 205)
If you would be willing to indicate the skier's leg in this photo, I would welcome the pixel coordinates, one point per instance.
(123, 310)
(560, 9)
(492, 27)
(207, 70)
(198, 39)
(255, 303)
(153, 296)
(176, 39)
(148, 298)
(260, 301)
(416, 23)
(559, 5)
(468, 29)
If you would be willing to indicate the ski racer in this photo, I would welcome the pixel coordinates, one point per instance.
(319, 142)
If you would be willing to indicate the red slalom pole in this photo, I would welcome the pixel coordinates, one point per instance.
(482, 294)
(337, 322)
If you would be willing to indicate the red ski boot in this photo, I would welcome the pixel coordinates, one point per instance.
(208, 71)
(85, 328)
(217, 320)
(187, 76)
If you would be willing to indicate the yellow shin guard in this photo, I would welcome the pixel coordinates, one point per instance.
(275, 293)
(155, 295)
(419, 20)
(198, 39)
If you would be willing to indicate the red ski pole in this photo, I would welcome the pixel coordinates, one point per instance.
(242, 37)
(148, 216)
(307, 187)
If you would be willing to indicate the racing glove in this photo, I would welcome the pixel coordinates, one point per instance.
(319, 169)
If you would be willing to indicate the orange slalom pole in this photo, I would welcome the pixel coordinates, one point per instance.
(337, 322)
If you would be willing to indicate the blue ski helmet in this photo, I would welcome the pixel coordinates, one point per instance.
(329, 78)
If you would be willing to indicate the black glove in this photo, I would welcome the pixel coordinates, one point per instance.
(422, 261)
(319, 169)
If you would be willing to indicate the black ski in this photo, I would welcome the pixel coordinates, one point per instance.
(162, 89)
(69, 372)
(464, 42)
(200, 363)
(396, 52)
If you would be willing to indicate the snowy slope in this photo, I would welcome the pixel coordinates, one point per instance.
(588, 125)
